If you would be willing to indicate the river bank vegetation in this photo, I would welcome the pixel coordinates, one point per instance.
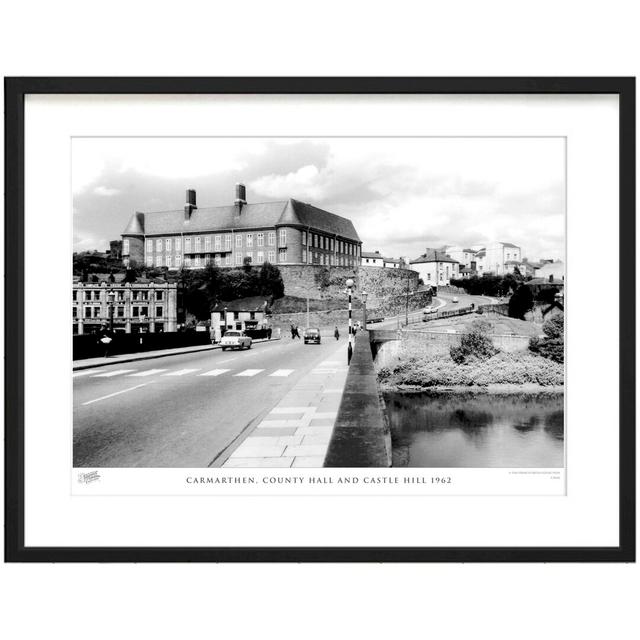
(476, 362)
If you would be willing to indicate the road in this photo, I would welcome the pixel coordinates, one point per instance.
(443, 302)
(185, 410)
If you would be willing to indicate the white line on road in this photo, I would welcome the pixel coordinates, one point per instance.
(181, 372)
(113, 373)
(144, 374)
(227, 360)
(87, 372)
(117, 393)
(249, 372)
(215, 372)
(281, 373)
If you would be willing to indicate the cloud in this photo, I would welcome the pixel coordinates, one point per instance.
(403, 194)
(105, 191)
(86, 241)
(304, 183)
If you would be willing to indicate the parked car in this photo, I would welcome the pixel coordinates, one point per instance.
(374, 319)
(235, 340)
(312, 336)
(454, 300)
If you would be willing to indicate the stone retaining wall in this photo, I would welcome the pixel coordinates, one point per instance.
(321, 282)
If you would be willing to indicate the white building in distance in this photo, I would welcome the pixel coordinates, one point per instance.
(435, 267)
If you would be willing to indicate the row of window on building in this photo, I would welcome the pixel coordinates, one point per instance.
(95, 295)
(202, 260)
(441, 275)
(194, 244)
(329, 259)
(136, 312)
(317, 241)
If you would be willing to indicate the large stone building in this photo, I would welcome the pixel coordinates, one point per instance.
(140, 307)
(286, 232)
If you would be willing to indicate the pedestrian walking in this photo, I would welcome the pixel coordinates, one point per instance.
(105, 341)
(293, 331)
(336, 333)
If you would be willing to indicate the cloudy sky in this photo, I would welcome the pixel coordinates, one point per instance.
(403, 194)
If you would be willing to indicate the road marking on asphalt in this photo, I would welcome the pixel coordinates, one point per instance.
(180, 372)
(88, 372)
(227, 360)
(144, 374)
(117, 393)
(215, 372)
(113, 373)
(249, 372)
(281, 373)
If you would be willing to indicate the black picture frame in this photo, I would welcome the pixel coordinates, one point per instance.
(15, 91)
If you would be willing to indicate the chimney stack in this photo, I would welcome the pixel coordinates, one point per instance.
(241, 196)
(190, 204)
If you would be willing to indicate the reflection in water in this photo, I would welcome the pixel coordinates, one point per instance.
(440, 429)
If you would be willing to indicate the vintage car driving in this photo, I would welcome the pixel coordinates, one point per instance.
(427, 311)
(312, 336)
(234, 339)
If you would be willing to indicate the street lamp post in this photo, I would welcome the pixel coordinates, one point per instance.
(350, 343)
(111, 296)
(364, 309)
(406, 308)
(225, 319)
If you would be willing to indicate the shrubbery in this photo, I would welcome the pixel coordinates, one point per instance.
(501, 368)
(552, 345)
(474, 345)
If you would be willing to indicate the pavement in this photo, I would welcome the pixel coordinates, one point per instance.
(297, 431)
(199, 408)
(90, 363)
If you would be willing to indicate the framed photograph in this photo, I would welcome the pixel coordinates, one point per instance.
(320, 319)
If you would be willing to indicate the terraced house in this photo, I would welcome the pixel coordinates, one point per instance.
(282, 232)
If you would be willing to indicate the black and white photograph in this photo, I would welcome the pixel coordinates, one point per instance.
(287, 302)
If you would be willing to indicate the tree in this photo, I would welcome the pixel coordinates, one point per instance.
(476, 344)
(130, 276)
(520, 302)
(552, 345)
(270, 281)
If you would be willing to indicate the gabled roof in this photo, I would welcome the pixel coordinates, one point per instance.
(253, 215)
(253, 303)
(433, 255)
(508, 244)
(372, 254)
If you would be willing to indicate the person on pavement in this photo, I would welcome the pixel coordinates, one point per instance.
(336, 333)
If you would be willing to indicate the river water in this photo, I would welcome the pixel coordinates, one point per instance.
(445, 429)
